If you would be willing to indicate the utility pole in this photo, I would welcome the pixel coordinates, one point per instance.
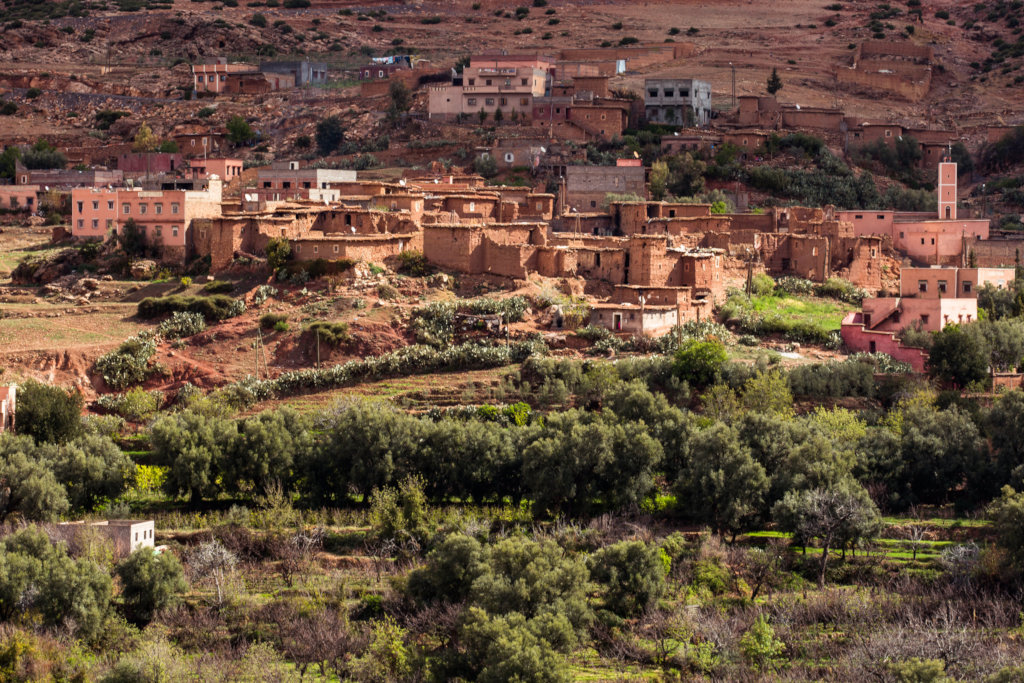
(318, 348)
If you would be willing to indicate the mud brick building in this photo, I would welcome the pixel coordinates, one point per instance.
(587, 186)
(67, 178)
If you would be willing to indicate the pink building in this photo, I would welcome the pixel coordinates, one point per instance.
(225, 169)
(19, 197)
(930, 299)
(164, 217)
(8, 405)
(936, 238)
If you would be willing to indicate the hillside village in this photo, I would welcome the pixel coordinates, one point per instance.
(469, 340)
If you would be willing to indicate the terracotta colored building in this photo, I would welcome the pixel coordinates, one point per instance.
(164, 217)
(492, 82)
(225, 169)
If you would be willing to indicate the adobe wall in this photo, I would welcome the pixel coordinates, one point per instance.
(856, 338)
(221, 238)
(651, 265)
(764, 222)
(602, 264)
(995, 253)
(803, 256)
(858, 259)
(369, 248)
(454, 247)
(913, 90)
(802, 118)
(885, 48)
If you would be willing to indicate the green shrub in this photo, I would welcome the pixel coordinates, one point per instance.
(149, 583)
(181, 324)
(633, 574)
(218, 287)
(136, 404)
(48, 413)
(762, 285)
(214, 307)
(281, 326)
(413, 263)
(270, 320)
(186, 281)
(333, 334)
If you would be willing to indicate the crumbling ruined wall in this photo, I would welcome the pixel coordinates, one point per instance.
(608, 265)
(859, 260)
(805, 256)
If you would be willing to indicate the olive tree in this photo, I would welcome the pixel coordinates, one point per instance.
(838, 516)
(722, 485)
(633, 575)
(149, 583)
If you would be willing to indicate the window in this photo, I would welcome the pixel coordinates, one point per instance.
(888, 133)
(504, 101)
(652, 93)
(80, 209)
(81, 223)
(174, 207)
(508, 82)
(305, 184)
(967, 287)
(316, 249)
(174, 231)
(922, 240)
(199, 79)
(95, 223)
(881, 217)
(874, 252)
(593, 204)
(924, 318)
(159, 229)
(126, 209)
(143, 208)
(472, 81)
(380, 73)
(488, 81)
(110, 206)
(901, 235)
(223, 78)
(489, 101)
(524, 101)
(158, 209)
(933, 240)
(95, 206)
(858, 216)
(471, 102)
(922, 285)
(524, 81)
(942, 286)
